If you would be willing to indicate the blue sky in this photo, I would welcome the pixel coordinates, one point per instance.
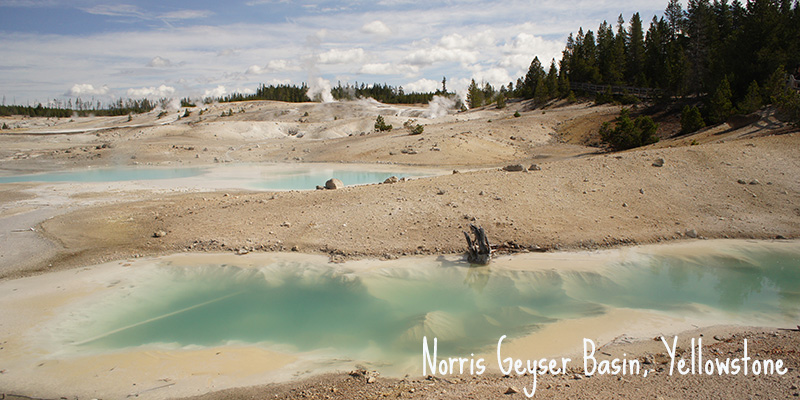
(104, 50)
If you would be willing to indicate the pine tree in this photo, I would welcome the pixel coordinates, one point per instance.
(675, 18)
(720, 106)
(656, 53)
(552, 80)
(636, 50)
(691, 120)
(541, 94)
(532, 78)
(474, 95)
(752, 100)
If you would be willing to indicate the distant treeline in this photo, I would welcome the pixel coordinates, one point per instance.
(296, 94)
(287, 93)
(119, 107)
(384, 93)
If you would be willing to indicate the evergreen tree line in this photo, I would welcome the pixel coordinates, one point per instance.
(384, 93)
(117, 108)
(297, 94)
(734, 56)
(484, 93)
(287, 93)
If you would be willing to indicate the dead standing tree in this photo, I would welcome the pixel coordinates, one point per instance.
(478, 251)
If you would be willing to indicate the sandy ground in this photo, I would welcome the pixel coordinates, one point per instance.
(718, 342)
(728, 181)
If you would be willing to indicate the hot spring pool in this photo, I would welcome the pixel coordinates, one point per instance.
(243, 176)
(121, 174)
(379, 312)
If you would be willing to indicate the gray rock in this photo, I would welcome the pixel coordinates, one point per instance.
(535, 167)
(334, 184)
(159, 234)
(755, 182)
(741, 182)
(511, 390)
(514, 168)
(391, 179)
(691, 233)
(659, 162)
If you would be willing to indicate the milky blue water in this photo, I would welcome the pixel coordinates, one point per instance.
(121, 174)
(303, 306)
(257, 177)
(310, 178)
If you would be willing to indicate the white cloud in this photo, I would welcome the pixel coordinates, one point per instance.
(272, 67)
(259, 2)
(86, 89)
(495, 76)
(422, 86)
(336, 56)
(218, 91)
(255, 70)
(278, 82)
(376, 27)
(115, 10)
(159, 62)
(186, 14)
(281, 65)
(524, 47)
(389, 69)
(433, 55)
(161, 91)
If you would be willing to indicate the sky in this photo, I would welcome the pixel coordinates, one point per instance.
(103, 50)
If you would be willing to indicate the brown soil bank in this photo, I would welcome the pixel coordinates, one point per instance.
(762, 345)
(746, 189)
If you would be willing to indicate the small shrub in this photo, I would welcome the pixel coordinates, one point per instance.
(130, 118)
(691, 120)
(517, 114)
(752, 100)
(186, 102)
(162, 114)
(5, 126)
(380, 124)
(571, 97)
(186, 113)
(604, 97)
(788, 104)
(501, 101)
(628, 99)
(628, 133)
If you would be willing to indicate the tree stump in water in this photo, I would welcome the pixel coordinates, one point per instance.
(478, 250)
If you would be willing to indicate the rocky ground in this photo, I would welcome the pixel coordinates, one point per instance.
(718, 343)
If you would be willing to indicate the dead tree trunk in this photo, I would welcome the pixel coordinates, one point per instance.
(478, 251)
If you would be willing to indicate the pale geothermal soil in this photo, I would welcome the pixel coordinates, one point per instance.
(737, 182)
(577, 203)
